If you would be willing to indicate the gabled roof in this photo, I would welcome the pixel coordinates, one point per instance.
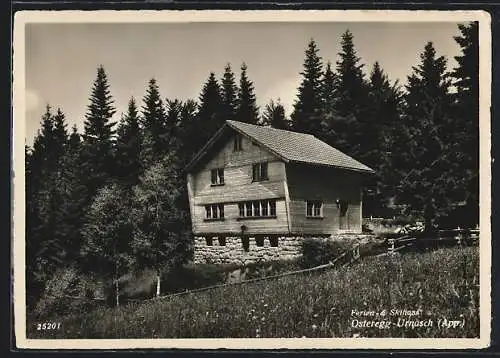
(288, 146)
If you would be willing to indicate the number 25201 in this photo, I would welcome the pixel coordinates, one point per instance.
(46, 326)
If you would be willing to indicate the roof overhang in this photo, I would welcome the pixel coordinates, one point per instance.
(227, 127)
(215, 138)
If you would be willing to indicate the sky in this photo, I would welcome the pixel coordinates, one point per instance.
(62, 59)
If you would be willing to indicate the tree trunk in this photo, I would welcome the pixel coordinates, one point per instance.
(117, 293)
(158, 284)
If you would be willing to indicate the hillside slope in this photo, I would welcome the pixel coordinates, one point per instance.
(438, 285)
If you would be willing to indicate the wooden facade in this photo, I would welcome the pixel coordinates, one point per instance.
(220, 206)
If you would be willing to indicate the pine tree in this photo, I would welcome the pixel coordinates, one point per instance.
(333, 127)
(352, 93)
(128, 147)
(466, 81)
(155, 139)
(98, 136)
(209, 118)
(328, 89)
(60, 133)
(34, 284)
(247, 111)
(274, 115)
(188, 131)
(428, 185)
(229, 94)
(74, 200)
(173, 122)
(160, 239)
(384, 112)
(307, 113)
(45, 249)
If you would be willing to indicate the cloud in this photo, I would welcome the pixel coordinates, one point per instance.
(32, 100)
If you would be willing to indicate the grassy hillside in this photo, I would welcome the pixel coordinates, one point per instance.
(443, 284)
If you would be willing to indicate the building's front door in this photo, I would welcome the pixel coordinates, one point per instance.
(343, 217)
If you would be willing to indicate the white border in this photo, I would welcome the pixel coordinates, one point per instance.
(18, 254)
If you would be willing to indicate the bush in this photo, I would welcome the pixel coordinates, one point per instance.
(68, 291)
(442, 283)
(190, 277)
(317, 252)
(264, 269)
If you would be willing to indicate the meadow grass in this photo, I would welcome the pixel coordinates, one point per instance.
(442, 284)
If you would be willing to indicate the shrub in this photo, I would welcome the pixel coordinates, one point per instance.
(68, 291)
(190, 277)
(271, 268)
(317, 252)
(442, 283)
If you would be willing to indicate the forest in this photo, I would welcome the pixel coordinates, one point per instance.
(113, 198)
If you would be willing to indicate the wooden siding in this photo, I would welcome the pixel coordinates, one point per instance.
(232, 225)
(238, 187)
(326, 184)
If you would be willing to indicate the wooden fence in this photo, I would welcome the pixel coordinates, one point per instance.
(395, 243)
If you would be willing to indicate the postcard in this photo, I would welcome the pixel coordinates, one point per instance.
(252, 179)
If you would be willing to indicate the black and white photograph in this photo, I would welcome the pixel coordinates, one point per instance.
(252, 179)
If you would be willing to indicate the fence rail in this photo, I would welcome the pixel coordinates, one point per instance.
(393, 245)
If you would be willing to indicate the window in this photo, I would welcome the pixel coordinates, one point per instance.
(237, 144)
(314, 209)
(209, 240)
(265, 207)
(249, 207)
(214, 212)
(259, 241)
(259, 172)
(222, 241)
(217, 176)
(258, 209)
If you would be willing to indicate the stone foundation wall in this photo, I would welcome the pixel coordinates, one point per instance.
(233, 252)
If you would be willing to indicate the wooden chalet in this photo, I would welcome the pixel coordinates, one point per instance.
(254, 180)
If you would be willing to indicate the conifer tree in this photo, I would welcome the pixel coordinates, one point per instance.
(334, 128)
(328, 89)
(384, 112)
(466, 81)
(74, 193)
(128, 147)
(187, 130)
(173, 122)
(155, 138)
(307, 113)
(209, 117)
(274, 115)
(60, 133)
(247, 111)
(229, 94)
(352, 93)
(98, 135)
(45, 248)
(427, 183)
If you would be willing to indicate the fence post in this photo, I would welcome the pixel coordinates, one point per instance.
(392, 247)
(355, 253)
